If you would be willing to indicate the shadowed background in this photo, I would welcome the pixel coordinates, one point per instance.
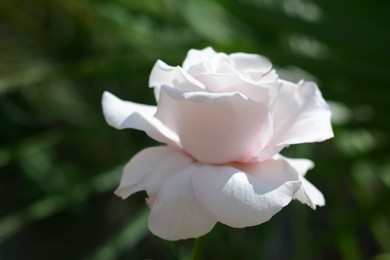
(60, 161)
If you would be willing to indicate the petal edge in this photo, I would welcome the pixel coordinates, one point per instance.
(122, 114)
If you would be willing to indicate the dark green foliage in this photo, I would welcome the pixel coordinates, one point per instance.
(60, 161)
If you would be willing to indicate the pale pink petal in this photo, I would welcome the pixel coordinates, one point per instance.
(198, 61)
(255, 65)
(176, 212)
(269, 77)
(246, 194)
(150, 167)
(213, 127)
(308, 193)
(207, 61)
(301, 115)
(267, 153)
(220, 65)
(163, 74)
(300, 165)
(262, 92)
(166, 175)
(124, 114)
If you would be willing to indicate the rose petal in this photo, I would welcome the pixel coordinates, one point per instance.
(215, 128)
(124, 114)
(263, 92)
(300, 165)
(301, 115)
(268, 153)
(176, 213)
(198, 61)
(175, 77)
(269, 77)
(166, 175)
(308, 193)
(256, 65)
(150, 167)
(247, 196)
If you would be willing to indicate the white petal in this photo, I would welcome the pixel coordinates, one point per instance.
(176, 212)
(269, 77)
(213, 127)
(301, 115)
(207, 61)
(253, 63)
(308, 193)
(165, 174)
(163, 74)
(247, 196)
(150, 167)
(267, 153)
(262, 92)
(200, 59)
(124, 114)
(300, 165)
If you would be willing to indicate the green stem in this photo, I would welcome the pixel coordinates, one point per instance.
(197, 252)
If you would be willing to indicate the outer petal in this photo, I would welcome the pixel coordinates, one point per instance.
(300, 165)
(215, 128)
(124, 114)
(301, 115)
(165, 174)
(148, 168)
(247, 194)
(308, 193)
(163, 74)
(176, 212)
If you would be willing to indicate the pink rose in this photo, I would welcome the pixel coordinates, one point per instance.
(224, 119)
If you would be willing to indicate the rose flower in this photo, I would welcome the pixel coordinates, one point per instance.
(224, 120)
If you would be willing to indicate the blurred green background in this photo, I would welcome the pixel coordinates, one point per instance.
(60, 161)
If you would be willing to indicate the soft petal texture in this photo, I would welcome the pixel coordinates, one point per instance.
(124, 114)
(148, 168)
(268, 152)
(244, 195)
(176, 213)
(301, 115)
(163, 74)
(262, 93)
(252, 65)
(250, 62)
(166, 175)
(198, 61)
(300, 165)
(215, 128)
(308, 193)
(269, 77)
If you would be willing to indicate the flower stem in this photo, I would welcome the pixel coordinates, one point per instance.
(197, 252)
